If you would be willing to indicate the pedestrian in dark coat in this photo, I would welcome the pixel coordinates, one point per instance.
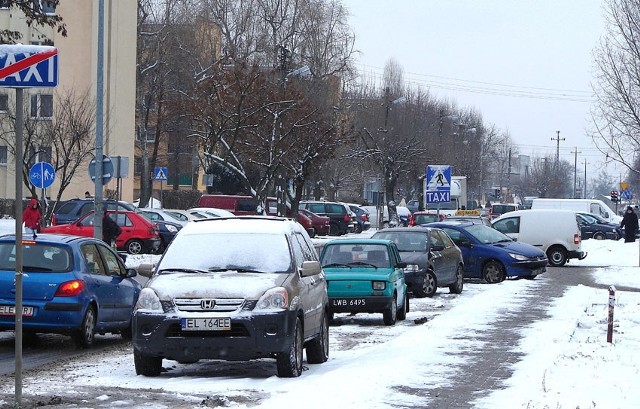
(110, 230)
(32, 217)
(630, 225)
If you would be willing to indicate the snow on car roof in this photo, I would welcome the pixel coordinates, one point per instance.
(243, 224)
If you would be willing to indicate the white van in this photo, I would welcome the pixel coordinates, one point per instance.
(556, 232)
(594, 206)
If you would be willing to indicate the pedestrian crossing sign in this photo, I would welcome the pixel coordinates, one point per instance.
(438, 178)
(160, 173)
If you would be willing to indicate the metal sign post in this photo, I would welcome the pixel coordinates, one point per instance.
(160, 174)
(437, 185)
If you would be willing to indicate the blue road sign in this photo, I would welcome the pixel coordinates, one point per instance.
(107, 169)
(438, 184)
(160, 173)
(42, 175)
(626, 194)
(23, 66)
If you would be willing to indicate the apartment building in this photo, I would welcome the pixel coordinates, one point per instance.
(77, 65)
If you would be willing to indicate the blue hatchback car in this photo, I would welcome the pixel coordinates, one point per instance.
(491, 255)
(71, 285)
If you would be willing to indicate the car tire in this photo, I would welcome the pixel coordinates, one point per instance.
(83, 337)
(334, 230)
(318, 348)
(402, 312)
(599, 236)
(290, 363)
(135, 247)
(456, 288)
(557, 256)
(429, 286)
(357, 228)
(127, 332)
(312, 232)
(493, 272)
(146, 365)
(390, 315)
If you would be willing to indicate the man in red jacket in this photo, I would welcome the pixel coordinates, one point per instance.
(31, 217)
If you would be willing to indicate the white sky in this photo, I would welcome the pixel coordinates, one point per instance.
(509, 51)
(566, 361)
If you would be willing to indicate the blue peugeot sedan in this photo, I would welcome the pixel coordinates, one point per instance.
(71, 285)
(491, 255)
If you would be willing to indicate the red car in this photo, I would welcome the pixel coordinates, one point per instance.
(138, 234)
(321, 224)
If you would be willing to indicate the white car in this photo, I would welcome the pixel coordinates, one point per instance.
(183, 215)
(159, 214)
(210, 212)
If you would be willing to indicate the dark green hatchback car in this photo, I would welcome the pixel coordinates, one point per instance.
(365, 275)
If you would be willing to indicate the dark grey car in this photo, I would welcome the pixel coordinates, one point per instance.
(433, 260)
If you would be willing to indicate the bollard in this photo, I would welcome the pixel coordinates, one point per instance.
(612, 302)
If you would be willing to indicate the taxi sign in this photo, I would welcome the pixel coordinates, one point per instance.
(467, 213)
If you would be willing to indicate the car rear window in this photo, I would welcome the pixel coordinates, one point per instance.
(36, 258)
(335, 208)
(66, 208)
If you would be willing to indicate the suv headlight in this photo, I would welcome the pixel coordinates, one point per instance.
(411, 268)
(274, 299)
(148, 300)
(171, 229)
(519, 257)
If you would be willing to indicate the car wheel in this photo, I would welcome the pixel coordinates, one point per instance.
(127, 332)
(391, 314)
(429, 286)
(134, 247)
(493, 272)
(334, 230)
(318, 348)
(599, 236)
(557, 256)
(357, 228)
(456, 288)
(147, 365)
(83, 337)
(290, 363)
(402, 313)
(312, 232)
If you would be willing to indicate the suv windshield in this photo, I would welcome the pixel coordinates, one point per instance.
(260, 252)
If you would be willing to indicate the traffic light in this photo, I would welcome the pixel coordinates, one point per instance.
(614, 196)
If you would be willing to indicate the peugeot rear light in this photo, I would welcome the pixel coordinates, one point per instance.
(364, 217)
(153, 231)
(70, 288)
(346, 218)
(576, 238)
(54, 219)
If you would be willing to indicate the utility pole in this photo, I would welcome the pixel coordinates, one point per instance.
(584, 192)
(575, 170)
(557, 139)
(509, 177)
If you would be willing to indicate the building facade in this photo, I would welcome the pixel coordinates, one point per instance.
(77, 66)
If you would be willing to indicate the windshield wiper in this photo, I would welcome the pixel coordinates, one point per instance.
(182, 270)
(362, 263)
(337, 265)
(233, 268)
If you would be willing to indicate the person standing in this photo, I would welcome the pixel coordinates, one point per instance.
(110, 230)
(32, 217)
(630, 224)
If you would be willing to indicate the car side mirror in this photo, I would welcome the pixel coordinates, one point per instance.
(437, 247)
(310, 268)
(130, 273)
(463, 243)
(401, 264)
(145, 269)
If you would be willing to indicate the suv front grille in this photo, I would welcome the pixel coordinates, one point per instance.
(208, 304)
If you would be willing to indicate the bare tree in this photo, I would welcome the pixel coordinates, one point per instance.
(66, 140)
(616, 113)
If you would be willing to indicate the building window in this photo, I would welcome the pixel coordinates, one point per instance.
(46, 6)
(41, 106)
(3, 155)
(149, 132)
(4, 103)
